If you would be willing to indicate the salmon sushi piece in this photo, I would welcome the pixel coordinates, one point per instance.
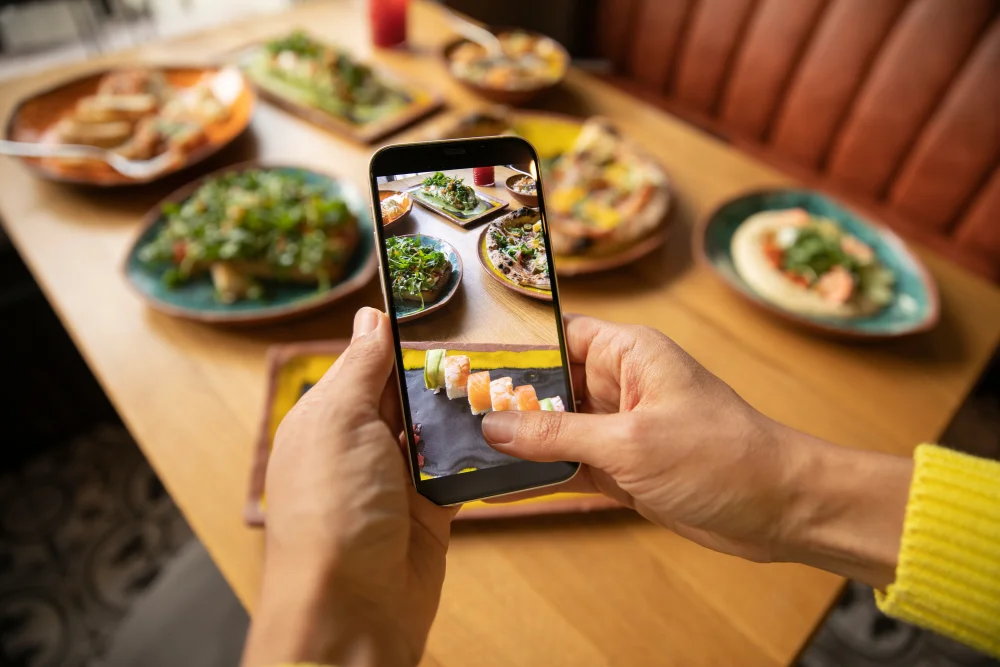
(502, 394)
(456, 376)
(525, 398)
(478, 390)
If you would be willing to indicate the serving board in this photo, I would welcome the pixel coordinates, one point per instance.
(294, 368)
(451, 436)
(493, 205)
(422, 102)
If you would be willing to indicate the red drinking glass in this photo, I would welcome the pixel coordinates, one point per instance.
(483, 176)
(388, 22)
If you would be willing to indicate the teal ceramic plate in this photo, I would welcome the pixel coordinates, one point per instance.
(195, 300)
(411, 310)
(914, 308)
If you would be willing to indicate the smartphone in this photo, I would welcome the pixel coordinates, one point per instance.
(471, 292)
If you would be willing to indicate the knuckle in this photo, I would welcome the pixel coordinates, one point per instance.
(634, 431)
(545, 428)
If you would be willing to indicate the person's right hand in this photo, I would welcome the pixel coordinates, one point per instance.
(669, 439)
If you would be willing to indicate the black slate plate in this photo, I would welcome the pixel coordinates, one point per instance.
(451, 437)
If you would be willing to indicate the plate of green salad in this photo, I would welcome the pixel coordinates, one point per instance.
(424, 272)
(327, 86)
(253, 244)
(451, 197)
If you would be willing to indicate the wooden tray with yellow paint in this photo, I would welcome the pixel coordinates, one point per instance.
(303, 102)
(34, 120)
(553, 134)
(293, 369)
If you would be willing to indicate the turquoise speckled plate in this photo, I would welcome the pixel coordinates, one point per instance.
(195, 300)
(411, 310)
(915, 307)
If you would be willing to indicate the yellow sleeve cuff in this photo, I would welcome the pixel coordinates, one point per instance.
(948, 574)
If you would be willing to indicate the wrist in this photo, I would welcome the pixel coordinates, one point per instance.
(848, 510)
(307, 614)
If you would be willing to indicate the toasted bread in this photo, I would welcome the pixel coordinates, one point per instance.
(108, 108)
(102, 135)
(431, 295)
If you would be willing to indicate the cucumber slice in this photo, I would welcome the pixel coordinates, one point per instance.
(546, 404)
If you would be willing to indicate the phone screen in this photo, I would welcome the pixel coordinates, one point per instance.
(471, 293)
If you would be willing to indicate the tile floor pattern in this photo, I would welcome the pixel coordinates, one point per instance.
(86, 527)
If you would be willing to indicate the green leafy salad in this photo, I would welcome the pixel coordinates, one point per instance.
(451, 193)
(318, 75)
(417, 268)
(253, 224)
(820, 254)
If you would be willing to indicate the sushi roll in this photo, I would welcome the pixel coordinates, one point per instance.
(478, 389)
(434, 370)
(553, 404)
(456, 376)
(525, 398)
(502, 394)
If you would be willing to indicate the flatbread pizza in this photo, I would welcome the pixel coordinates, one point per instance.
(603, 194)
(516, 247)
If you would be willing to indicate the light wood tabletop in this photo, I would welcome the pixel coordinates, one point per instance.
(565, 590)
(482, 310)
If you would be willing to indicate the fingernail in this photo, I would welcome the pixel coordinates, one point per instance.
(499, 428)
(365, 322)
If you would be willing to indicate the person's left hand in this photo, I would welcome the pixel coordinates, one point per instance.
(355, 558)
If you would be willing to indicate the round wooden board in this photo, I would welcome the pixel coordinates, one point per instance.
(34, 117)
(453, 281)
(195, 301)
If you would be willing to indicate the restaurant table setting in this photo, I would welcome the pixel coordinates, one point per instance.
(209, 292)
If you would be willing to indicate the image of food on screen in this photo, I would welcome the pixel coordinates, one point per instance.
(471, 292)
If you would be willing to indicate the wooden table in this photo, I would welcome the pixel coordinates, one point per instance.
(482, 310)
(570, 590)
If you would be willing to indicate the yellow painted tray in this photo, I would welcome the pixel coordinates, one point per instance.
(292, 369)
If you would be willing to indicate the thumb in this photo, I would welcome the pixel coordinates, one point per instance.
(555, 436)
(365, 365)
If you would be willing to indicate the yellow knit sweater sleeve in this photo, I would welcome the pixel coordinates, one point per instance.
(948, 575)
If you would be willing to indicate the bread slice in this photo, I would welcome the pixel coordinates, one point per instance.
(431, 295)
(102, 135)
(108, 108)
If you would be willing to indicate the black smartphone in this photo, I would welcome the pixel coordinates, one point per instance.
(470, 289)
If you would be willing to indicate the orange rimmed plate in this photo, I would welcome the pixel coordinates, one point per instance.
(385, 194)
(35, 117)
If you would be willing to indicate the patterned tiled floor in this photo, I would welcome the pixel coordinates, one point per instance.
(84, 529)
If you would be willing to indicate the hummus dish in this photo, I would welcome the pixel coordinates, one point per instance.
(810, 266)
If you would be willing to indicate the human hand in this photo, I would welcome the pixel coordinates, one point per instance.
(354, 558)
(661, 434)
